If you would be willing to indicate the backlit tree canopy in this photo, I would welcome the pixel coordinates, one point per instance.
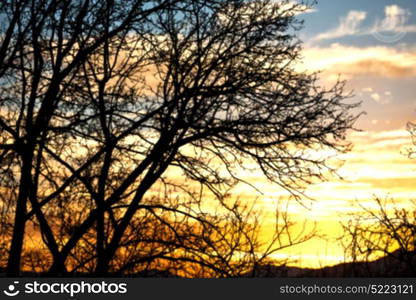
(121, 121)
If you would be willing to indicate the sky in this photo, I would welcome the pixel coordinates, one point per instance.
(372, 45)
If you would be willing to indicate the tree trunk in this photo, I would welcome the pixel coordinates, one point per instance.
(16, 247)
(58, 267)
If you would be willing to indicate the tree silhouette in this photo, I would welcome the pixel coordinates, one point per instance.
(384, 229)
(106, 103)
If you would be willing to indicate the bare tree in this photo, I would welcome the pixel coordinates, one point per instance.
(105, 102)
(43, 45)
(180, 238)
(384, 231)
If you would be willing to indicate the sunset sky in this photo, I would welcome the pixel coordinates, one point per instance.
(143, 109)
(371, 44)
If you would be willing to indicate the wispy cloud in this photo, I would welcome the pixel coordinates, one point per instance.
(395, 20)
(348, 25)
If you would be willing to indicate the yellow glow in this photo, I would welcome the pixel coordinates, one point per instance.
(377, 165)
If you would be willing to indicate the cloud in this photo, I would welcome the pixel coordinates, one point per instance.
(375, 97)
(376, 67)
(394, 21)
(377, 136)
(395, 18)
(390, 183)
(367, 89)
(389, 143)
(379, 61)
(348, 25)
(381, 98)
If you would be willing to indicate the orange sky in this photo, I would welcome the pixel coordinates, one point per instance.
(382, 75)
(376, 166)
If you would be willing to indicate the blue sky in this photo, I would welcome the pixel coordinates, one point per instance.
(328, 13)
(371, 44)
